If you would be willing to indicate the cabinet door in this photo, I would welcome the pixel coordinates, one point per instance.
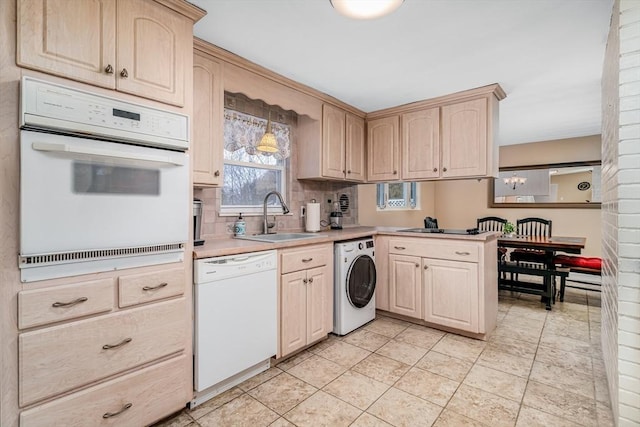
(206, 147)
(333, 142)
(80, 48)
(155, 45)
(355, 149)
(464, 139)
(451, 293)
(421, 144)
(293, 312)
(405, 285)
(383, 149)
(318, 301)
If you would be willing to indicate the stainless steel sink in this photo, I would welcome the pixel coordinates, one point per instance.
(281, 237)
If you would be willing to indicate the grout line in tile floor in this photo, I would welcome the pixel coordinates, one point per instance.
(511, 308)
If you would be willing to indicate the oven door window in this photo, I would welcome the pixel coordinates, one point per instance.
(95, 178)
(361, 281)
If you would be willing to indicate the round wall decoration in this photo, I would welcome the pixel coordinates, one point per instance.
(584, 185)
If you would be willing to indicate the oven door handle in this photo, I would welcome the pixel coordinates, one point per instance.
(66, 148)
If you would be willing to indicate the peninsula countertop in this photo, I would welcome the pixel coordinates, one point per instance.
(234, 246)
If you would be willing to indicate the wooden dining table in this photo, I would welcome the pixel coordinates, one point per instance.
(548, 270)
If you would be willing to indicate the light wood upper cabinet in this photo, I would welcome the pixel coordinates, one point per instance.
(383, 149)
(421, 144)
(334, 142)
(208, 121)
(464, 139)
(334, 149)
(355, 150)
(134, 46)
(306, 296)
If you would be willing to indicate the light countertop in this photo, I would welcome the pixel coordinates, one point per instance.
(232, 246)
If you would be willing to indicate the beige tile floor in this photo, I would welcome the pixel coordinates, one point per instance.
(538, 368)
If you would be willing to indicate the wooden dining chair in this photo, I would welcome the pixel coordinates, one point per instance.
(491, 223)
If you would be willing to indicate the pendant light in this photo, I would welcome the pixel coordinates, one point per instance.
(268, 143)
(365, 9)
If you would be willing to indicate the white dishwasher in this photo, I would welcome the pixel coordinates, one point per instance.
(235, 332)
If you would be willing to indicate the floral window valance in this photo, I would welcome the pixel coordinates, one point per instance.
(242, 131)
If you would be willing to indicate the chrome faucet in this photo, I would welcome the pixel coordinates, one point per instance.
(266, 226)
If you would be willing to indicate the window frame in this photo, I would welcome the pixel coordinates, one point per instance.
(411, 196)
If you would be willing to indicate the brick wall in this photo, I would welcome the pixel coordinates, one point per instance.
(621, 212)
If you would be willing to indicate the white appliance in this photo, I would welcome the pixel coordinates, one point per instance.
(355, 284)
(235, 320)
(91, 200)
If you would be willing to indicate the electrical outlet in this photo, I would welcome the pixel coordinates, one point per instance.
(303, 211)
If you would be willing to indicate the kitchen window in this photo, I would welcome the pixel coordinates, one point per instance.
(248, 173)
(397, 196)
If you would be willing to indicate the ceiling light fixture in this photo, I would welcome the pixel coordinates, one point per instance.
(514, 181)
(365, 9)
(268, 143)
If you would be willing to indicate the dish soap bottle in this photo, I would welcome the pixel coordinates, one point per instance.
(239, 227)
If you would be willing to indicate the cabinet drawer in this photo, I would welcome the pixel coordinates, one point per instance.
(48, 305)
(429, 248)
(153, 392)
(304, 257)
(139, 288)
(60, 358)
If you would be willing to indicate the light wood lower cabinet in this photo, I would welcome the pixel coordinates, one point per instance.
(446, 282)
(306, 296)
(61, 358)
(405, 285)
(136, 399)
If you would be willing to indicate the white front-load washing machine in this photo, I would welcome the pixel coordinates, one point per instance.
(355, 285)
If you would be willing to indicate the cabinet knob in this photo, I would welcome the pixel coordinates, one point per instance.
(444, 169)
(435, 169)
(426, 267)
(108, 69)
(395, 172)
(216, 173)
(124, 73)
(348, 171)
(417, 265)
(311, 280)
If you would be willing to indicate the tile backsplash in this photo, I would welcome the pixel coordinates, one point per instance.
(298, 193)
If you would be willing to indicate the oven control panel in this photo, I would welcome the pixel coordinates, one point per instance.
(51, 106)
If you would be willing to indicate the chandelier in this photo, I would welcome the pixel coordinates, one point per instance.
(514, 181)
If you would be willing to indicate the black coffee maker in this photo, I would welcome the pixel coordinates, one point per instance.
(335, 217)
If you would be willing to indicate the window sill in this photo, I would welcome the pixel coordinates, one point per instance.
(249, 213)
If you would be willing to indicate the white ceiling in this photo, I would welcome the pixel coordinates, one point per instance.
(546, 54)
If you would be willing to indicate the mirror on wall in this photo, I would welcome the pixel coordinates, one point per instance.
(560, 185)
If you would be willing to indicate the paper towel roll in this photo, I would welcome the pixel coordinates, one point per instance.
(313, 217)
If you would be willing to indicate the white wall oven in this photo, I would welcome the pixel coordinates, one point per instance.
(104, 183)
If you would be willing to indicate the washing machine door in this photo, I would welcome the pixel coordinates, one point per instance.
(361, 281)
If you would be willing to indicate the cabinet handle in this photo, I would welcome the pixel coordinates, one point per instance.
(70, 303)
(121, 343)
(216, 173)
(444, 169)
(124, 73)
(108, 69)
(311, 280)
(462, 253)
(435, 169)
(113, 414)
(151, 288)
(304, 281)
(400, 248)
(307, 259)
